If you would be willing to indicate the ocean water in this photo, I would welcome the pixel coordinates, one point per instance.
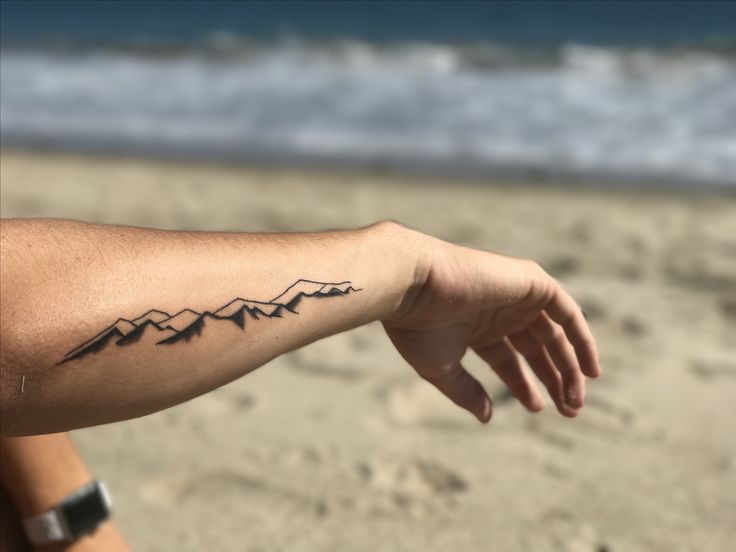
(619, 93)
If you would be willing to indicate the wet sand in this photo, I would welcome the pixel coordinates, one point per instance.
(339, 446)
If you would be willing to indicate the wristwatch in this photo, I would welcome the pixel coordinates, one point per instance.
(79, 514)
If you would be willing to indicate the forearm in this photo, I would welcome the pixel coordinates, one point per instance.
(38, 472)
(66, 284)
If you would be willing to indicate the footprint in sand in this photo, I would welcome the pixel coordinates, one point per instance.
(633, 327)
(224, 402)
(550, 434)
(713, 368)
(360, 342)
(417, 403)
(322, 368)
(620, 415)
(563, 266)
(406, 486)
(593, 309)
(583, 538)
(728, 308)
(322, 359)
(410, 476)
(227, 486)
(605, 419)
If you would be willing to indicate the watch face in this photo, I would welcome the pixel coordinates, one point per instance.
(84, 512)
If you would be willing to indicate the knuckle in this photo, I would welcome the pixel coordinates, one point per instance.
(534, 266)
(548, 333)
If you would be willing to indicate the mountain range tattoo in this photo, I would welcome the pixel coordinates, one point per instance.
(187, 324)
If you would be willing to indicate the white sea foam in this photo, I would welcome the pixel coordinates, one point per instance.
(592, 112)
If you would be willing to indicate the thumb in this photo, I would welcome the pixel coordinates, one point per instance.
(465, 391)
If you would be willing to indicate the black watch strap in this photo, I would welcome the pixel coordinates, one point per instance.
(77, 515)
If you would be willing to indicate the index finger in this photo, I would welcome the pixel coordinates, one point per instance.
(565, 311)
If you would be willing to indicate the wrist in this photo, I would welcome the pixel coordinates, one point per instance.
(403, 253)
(107, 538)
(78, 515)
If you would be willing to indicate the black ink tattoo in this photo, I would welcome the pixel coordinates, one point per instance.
(187, 324)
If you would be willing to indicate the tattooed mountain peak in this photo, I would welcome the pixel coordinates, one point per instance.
(291, 297)
(269, 309)
(124, 326)
(180, 320)
(153, 314)
(145, 328)
(187, 323)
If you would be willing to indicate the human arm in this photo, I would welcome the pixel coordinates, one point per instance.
(66, 283)
(38, 473)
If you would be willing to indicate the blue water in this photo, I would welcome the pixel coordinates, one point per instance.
(615, 91)
(541, 22)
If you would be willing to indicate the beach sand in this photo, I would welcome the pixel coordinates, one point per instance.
(339, 446)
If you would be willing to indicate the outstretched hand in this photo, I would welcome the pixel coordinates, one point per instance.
(501, 308)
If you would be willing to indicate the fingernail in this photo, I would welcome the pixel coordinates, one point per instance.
(486, 414)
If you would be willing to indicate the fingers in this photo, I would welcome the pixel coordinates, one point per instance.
(552, 338)
(465, 391)
(563, 310)
(541, 364)
(504, 361)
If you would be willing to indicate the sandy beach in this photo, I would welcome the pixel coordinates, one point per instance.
(341, 447)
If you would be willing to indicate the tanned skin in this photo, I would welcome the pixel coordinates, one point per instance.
(64, 283)
(37, 473)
